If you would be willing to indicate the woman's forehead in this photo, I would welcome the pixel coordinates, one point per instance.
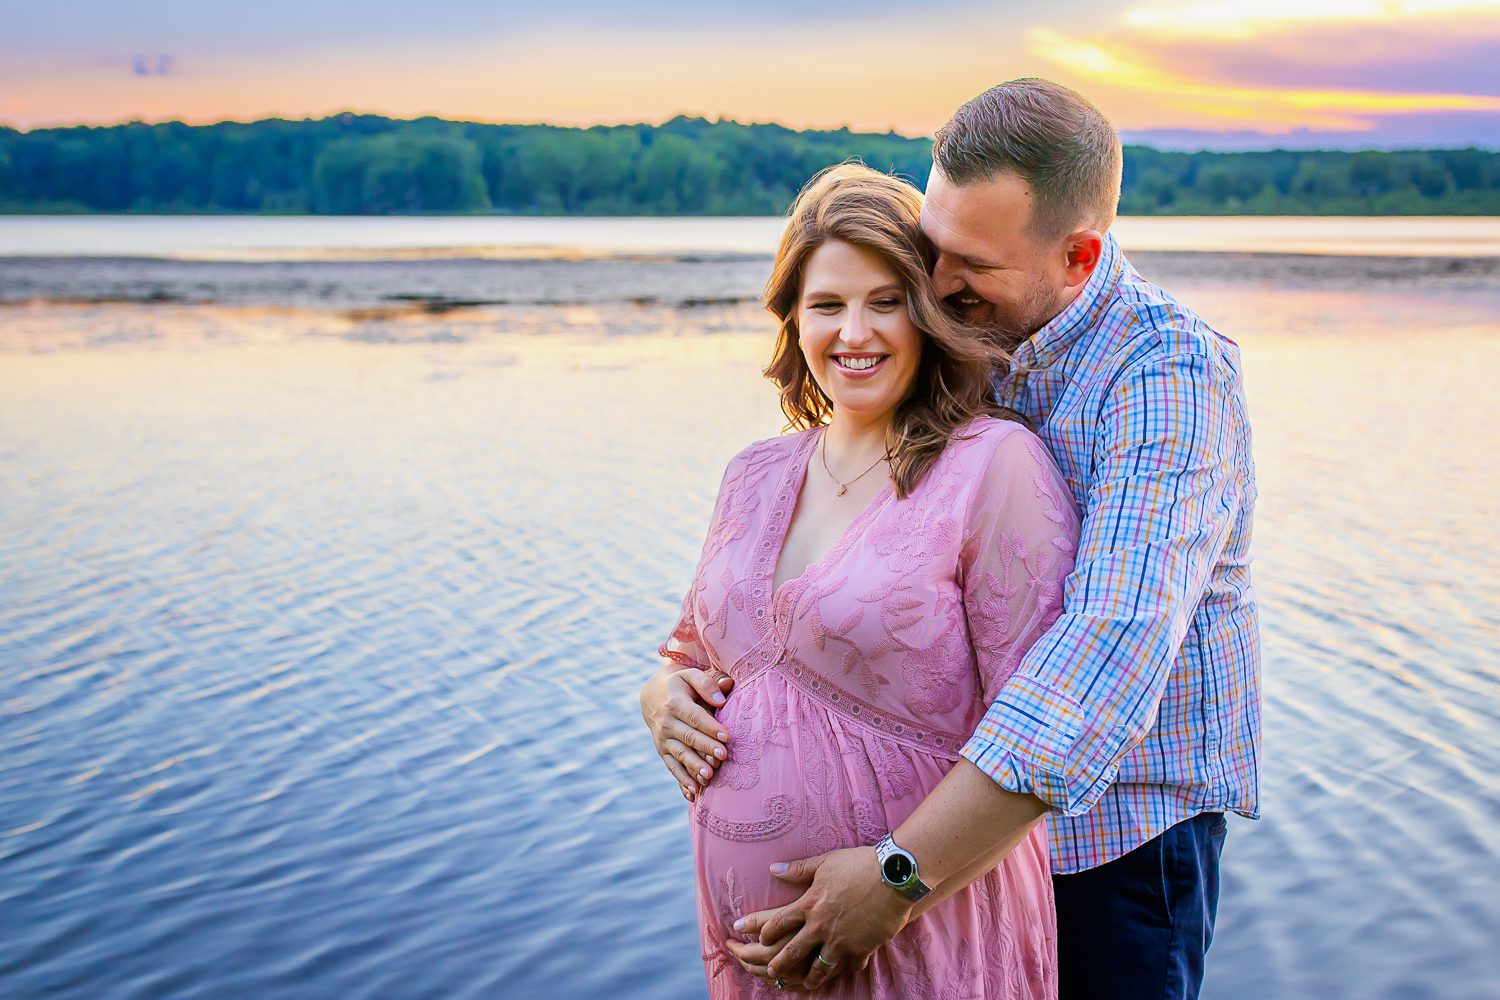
(839, 265)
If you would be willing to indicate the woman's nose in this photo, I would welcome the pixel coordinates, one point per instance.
(856, 330)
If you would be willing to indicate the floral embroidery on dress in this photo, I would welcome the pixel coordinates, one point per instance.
(748, 729)
(935, 674)
(1046, 489)
(716, 958)
(823, 823)
(989, 617)
(867, 819)
(733, 524)
(731, 900)
(914, 536)
(989, 601)
(894, 774)
(732, 594)
(782, 814)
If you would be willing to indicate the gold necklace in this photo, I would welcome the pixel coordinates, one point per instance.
(843, 486)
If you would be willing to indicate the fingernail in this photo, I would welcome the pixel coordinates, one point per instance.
(779, 868)
(723, 737)
(739, 924)
(719, 752)
(705, 772)
(718, 698)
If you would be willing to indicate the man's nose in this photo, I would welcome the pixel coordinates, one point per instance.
(945, 276)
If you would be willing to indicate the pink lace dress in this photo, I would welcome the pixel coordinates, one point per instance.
(857, 683)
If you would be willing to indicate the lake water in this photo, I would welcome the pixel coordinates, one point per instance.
(327, 586)
(344, 237)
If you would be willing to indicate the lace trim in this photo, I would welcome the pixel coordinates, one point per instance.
(682, 658)
(852, 707)
(782, 815)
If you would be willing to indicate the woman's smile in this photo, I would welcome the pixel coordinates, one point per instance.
(859, 365)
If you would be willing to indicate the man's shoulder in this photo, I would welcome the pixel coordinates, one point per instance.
(1144, 324)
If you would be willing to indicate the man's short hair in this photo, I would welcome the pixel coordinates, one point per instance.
(1053, 138)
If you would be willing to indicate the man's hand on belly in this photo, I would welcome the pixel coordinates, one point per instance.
(846, 913)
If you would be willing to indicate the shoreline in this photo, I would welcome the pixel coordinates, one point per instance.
(680, 281)
(283, 239)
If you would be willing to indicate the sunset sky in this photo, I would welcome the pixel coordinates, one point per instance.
(1178, 72)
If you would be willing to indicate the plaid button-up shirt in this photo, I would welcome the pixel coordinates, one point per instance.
(1140, 707)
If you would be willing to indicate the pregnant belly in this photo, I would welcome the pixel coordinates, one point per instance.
(800, 781)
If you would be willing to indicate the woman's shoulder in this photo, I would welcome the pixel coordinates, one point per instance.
(780, 446)
(762, 454)
(1010, 461)
(985, 439)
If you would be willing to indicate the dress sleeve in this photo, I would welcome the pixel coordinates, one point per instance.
(1020, 533)
(684, 646)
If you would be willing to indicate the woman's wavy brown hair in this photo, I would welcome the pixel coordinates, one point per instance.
(863, 207)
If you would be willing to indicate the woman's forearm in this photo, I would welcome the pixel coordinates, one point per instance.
(965, 827)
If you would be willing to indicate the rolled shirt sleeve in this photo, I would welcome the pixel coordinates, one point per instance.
(1159, 510)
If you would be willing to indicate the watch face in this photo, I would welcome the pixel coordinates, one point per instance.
(897, 868)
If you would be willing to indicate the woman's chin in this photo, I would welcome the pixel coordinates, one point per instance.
(863, 410)
(863, 400)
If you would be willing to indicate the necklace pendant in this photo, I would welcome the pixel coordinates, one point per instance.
(842, 490)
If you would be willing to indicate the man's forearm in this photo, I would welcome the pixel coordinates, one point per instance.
(964, 828)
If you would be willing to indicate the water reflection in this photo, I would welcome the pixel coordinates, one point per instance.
(321, 633)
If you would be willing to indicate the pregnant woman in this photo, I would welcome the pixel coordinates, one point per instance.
(868, 582)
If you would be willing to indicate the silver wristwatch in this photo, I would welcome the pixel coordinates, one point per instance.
(898, 869)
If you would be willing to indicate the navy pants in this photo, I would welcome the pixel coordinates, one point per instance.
(1140, 925)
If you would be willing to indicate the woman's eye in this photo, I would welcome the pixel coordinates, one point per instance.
(887, 303)
(827, 306)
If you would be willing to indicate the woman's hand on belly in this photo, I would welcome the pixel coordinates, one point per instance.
(675, 706)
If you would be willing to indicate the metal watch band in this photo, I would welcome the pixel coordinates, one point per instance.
(913, 888)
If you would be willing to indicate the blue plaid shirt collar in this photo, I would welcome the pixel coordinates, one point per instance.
(1052, 341)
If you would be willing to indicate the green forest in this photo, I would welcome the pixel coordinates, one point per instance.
(371, 165)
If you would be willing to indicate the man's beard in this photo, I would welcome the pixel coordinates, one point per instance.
(1008, 326)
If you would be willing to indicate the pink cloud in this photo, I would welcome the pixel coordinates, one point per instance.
(1446, 56)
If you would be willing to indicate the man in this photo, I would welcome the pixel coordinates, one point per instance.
(1134, 723)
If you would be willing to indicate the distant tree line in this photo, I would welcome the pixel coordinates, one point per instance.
(1283, 182)
(371, 165)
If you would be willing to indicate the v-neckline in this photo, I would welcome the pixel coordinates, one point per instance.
(794, 481)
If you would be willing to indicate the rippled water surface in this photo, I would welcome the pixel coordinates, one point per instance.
(321, 629)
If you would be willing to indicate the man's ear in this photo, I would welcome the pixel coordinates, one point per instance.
(1083, 249)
